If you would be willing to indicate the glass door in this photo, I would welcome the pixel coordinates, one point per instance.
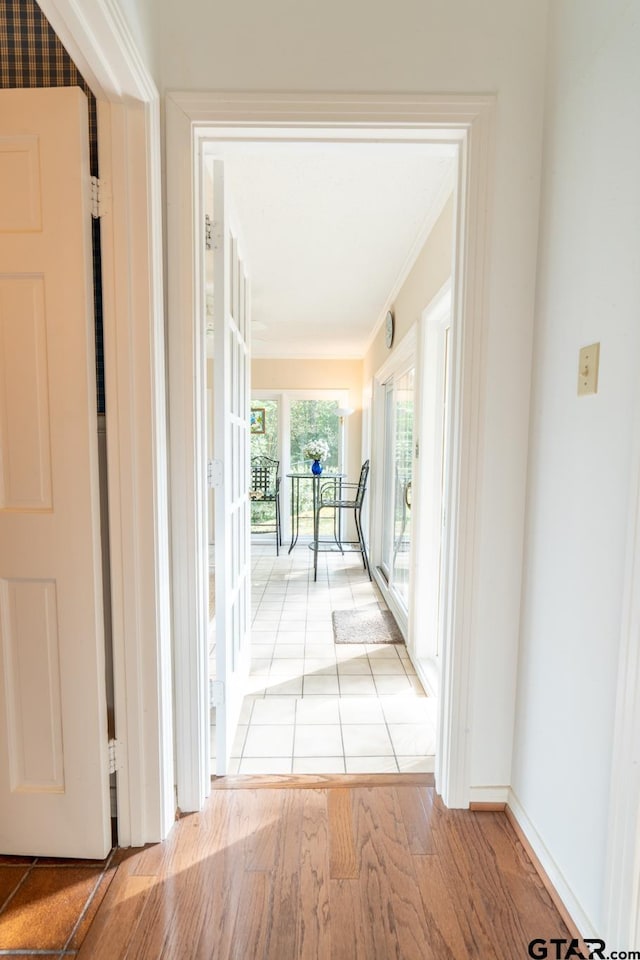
(399, 409)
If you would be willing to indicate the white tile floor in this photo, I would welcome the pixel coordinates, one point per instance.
(313, 706)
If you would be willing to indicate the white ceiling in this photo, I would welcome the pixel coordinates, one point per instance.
(329, 232)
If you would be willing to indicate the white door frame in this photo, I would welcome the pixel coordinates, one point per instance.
(425, 506)
(98, 40)
(404, 357)
(467, 121)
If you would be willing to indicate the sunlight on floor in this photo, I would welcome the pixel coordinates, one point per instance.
(314, 706)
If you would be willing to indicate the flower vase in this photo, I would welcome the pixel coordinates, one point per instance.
(316, 468)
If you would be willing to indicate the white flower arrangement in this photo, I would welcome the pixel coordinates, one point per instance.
(316, 449)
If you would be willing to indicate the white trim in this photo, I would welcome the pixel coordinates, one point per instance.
(497, 794)
(551, 868)
(440, 305)
(136, 431)
(428, 674)
(365, 450)
(622, 878)
(399, 614)
(284, 425)
(427, 505)
(315, 113)
(403, 358)
(469, 321)
(97, 38)
(190, 619)
(465, 120)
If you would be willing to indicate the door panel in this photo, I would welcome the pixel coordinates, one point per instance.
(231, 442)
(54, 782)
(402, 483)
(435, 435)
(397, 484)
(31, 653)
(25, 471)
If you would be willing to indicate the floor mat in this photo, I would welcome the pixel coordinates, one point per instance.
(365, 626)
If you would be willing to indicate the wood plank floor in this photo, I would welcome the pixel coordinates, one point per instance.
(343, 872)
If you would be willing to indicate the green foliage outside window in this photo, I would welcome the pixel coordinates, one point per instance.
(309, 420)
(265, 445)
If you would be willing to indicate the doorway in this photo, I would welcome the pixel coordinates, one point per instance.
(427, 126)
(283, 433)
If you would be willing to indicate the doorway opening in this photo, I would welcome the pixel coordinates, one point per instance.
(462, 124)
(289, 694)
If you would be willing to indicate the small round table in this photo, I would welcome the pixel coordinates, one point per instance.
(316, 480)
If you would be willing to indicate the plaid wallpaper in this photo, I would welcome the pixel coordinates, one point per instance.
(31, 55)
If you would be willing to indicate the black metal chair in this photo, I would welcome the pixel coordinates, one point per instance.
(336, 495)
(265, 488)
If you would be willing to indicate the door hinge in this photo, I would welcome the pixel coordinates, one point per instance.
(417, 451)
(114, 756)
(99, 198)
(214, 473)
(216, 693)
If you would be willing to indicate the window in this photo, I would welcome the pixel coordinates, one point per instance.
(291, 419)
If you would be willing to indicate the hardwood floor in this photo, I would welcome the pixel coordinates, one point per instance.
(344, 870)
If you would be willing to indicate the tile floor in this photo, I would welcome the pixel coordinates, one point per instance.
(47, 906)
(313, 706)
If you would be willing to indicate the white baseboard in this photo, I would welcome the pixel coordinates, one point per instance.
(492, 794)
(554, 875)
(427, 677)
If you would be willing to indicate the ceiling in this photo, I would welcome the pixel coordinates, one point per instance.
(329, 232)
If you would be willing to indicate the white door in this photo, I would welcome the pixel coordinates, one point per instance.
(432, 520)
(54, 784)
(231, 385)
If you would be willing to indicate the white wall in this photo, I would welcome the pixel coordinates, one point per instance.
(579, 471)
(453, 46)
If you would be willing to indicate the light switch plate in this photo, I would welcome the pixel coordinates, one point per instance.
(588, 369)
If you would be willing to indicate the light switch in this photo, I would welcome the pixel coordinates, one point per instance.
(588, 369)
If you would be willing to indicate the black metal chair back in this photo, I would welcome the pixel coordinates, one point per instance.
(265, 487)
(264, 477)
(336, 495)
(362, 483)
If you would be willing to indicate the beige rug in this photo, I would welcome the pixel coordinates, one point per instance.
(365, 626)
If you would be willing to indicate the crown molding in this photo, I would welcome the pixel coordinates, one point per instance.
(97, 37)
